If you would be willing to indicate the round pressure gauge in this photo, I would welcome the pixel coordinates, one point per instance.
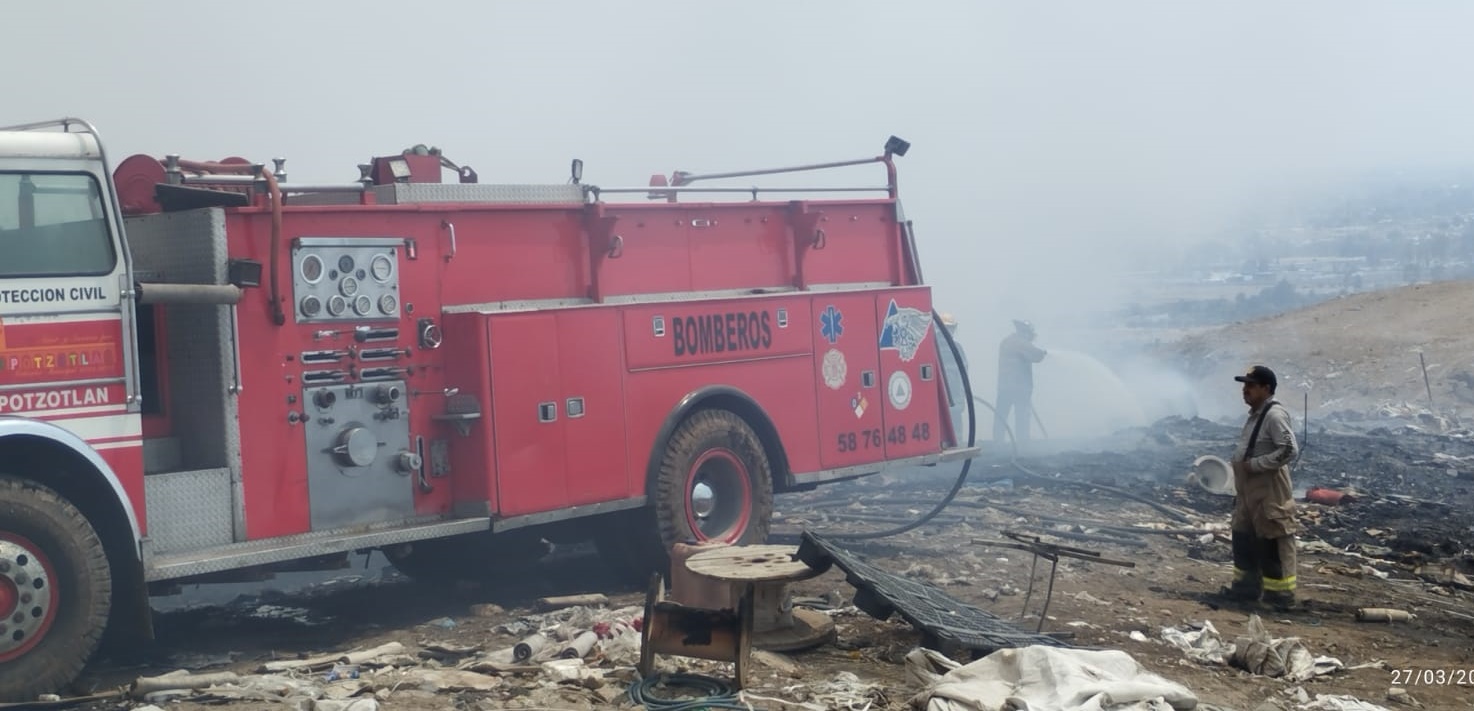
(363, 304)
(311, 306)
(337, 305)
(349, 286)
(345, 264)
(387, 303)
(382, 268)
(311, 268)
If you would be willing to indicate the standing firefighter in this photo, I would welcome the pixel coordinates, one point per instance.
(1017, 355)
(1264, 507)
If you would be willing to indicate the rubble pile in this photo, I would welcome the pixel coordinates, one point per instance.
(1389, 561)
(572, 658)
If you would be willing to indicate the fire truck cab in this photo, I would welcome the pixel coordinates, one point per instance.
(209, 373)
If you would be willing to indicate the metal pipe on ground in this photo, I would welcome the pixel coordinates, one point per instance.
(529, 648)
(579, 647)
(179, 681)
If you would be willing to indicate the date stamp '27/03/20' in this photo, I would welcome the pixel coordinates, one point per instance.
(1433, 677)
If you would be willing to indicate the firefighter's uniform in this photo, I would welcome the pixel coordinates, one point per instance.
(1263, 521)
(1017, 355)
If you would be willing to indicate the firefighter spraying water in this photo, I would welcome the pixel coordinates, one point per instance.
(208, 372)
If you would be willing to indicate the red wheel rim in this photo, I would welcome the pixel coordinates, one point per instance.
(28, 596)
(718, 497)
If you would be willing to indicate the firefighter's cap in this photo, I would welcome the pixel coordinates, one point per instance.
(1259, 375)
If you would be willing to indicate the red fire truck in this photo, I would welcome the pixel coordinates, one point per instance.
(208, 373)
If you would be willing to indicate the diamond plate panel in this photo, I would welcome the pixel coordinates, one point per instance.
(189, 247)
(178, 247)
(403, 193)
(189, 510)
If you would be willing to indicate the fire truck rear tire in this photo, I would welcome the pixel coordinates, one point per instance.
(55, 538)
(716, 483)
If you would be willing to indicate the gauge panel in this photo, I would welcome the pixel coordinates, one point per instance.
(346, 278)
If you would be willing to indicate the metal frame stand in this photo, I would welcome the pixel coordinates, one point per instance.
(1051, 552)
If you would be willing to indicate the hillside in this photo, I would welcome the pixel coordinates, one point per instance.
(1356, 353)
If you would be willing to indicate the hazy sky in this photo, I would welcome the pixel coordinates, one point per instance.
(1051, 141)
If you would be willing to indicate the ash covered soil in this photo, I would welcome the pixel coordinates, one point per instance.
(1404, 543)
(1404, 539)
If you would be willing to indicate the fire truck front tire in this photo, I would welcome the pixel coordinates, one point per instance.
(715, 484)
(55, 590)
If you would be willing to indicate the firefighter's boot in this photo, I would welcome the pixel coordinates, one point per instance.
(1279, 564)
(1247, 585)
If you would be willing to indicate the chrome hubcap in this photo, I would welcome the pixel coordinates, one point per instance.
(25, 595)
(703, 499)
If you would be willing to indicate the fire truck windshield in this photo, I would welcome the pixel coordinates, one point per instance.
(53, 224)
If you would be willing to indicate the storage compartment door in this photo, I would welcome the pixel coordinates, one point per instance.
(847, 369)
(527, 411)
(592, 378)
(908, 374)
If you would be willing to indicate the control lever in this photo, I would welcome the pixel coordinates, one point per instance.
(367, 333)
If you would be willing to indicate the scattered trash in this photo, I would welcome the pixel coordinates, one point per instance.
(1399, 695)
(1383, 614)
(326, 662)
(342, 671)
(179, 681)
(1258, 653)
(1213, 474)
(580, 646)
(445, 680)
(1328, 497)
(292, 614)
(1043, 678)
(529, 647)
(366, 704)
(1326, 702)
(549, 604)
(1202, 644)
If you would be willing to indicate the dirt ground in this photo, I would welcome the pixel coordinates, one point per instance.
(1100, 605)
(1405, 541)
(1354, 353)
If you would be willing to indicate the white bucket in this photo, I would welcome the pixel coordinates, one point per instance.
(1213, 474)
